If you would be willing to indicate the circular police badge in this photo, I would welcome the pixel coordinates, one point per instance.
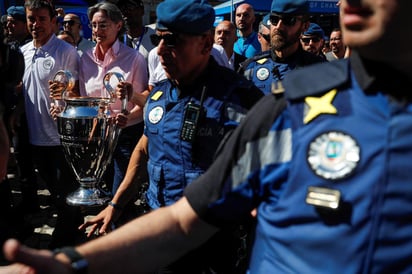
(155, 115)
(333, 155)
(262, 74)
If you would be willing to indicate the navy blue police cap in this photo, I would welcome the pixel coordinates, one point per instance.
(314, 30)
(266, 21)
(17, 12)
(292, 7)
(185, 16)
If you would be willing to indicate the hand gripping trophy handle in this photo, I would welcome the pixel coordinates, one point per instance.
(106, 82)
(89, 136)
(66, 82)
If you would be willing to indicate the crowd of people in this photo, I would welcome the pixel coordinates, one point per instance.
(258, 151)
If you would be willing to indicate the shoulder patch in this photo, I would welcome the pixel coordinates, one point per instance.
(261, 61)
(157, 95)
(316, 79)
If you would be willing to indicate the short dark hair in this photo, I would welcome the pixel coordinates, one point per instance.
(41, 4)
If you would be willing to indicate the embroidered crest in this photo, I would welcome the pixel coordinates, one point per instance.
(333, 155)
(262, 74)
(156, 114)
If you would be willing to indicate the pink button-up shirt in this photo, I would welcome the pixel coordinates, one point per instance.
(119, 58)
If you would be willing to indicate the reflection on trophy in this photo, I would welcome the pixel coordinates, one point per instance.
(89, 134)
(65, 82)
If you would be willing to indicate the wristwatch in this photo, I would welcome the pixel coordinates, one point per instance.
(78, 263)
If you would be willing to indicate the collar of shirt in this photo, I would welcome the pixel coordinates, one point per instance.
(112, 52)
(232, 60)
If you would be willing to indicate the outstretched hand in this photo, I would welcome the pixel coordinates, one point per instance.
(102, 222)
(30, 261)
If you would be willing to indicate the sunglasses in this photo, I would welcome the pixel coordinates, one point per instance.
(286, 20)
(306, 40)
(69, 22)
(265, 36)
(170, 39)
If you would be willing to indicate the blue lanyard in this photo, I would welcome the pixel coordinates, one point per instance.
(140, 40)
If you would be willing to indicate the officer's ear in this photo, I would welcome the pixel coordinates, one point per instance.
(208, 42)
(305, 26)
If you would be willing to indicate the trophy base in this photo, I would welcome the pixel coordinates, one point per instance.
(87, 197)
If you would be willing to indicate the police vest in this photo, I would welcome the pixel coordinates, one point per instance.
(265, 69)
(175, 162)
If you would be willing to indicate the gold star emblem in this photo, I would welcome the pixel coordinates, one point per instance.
(318, 106)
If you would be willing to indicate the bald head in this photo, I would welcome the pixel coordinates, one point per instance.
(73, 24)
(245, 18)
(225, 35)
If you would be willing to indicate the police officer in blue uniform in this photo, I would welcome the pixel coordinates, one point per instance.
(287, 22)
(186, 117)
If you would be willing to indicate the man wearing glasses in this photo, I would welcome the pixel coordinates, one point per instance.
(264, 33)
(313, 39)
(71, 22)
(287, 23)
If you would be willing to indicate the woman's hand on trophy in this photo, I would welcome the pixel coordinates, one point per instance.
(124, 90)
(121, 120)
(101, 224)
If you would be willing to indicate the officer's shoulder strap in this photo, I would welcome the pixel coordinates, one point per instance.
(247, 62)
(316, 79)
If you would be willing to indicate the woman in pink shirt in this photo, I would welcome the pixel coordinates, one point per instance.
(109, 55)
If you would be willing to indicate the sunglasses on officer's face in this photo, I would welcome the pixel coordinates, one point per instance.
(170, 39)
(287, 20)
(306, 40)
(265, 36)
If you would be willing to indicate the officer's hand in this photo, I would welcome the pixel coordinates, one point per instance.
(102, 222)
(30, 261)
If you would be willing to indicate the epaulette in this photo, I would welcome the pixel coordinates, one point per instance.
(316, 79)
(262, 57)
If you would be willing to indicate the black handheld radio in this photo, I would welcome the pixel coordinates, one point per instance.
(193, 112)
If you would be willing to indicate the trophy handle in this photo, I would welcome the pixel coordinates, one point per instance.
(65, 78)
(110, 89)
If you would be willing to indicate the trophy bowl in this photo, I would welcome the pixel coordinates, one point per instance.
(88, 134)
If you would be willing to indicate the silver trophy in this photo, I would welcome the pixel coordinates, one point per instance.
(89, 134)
